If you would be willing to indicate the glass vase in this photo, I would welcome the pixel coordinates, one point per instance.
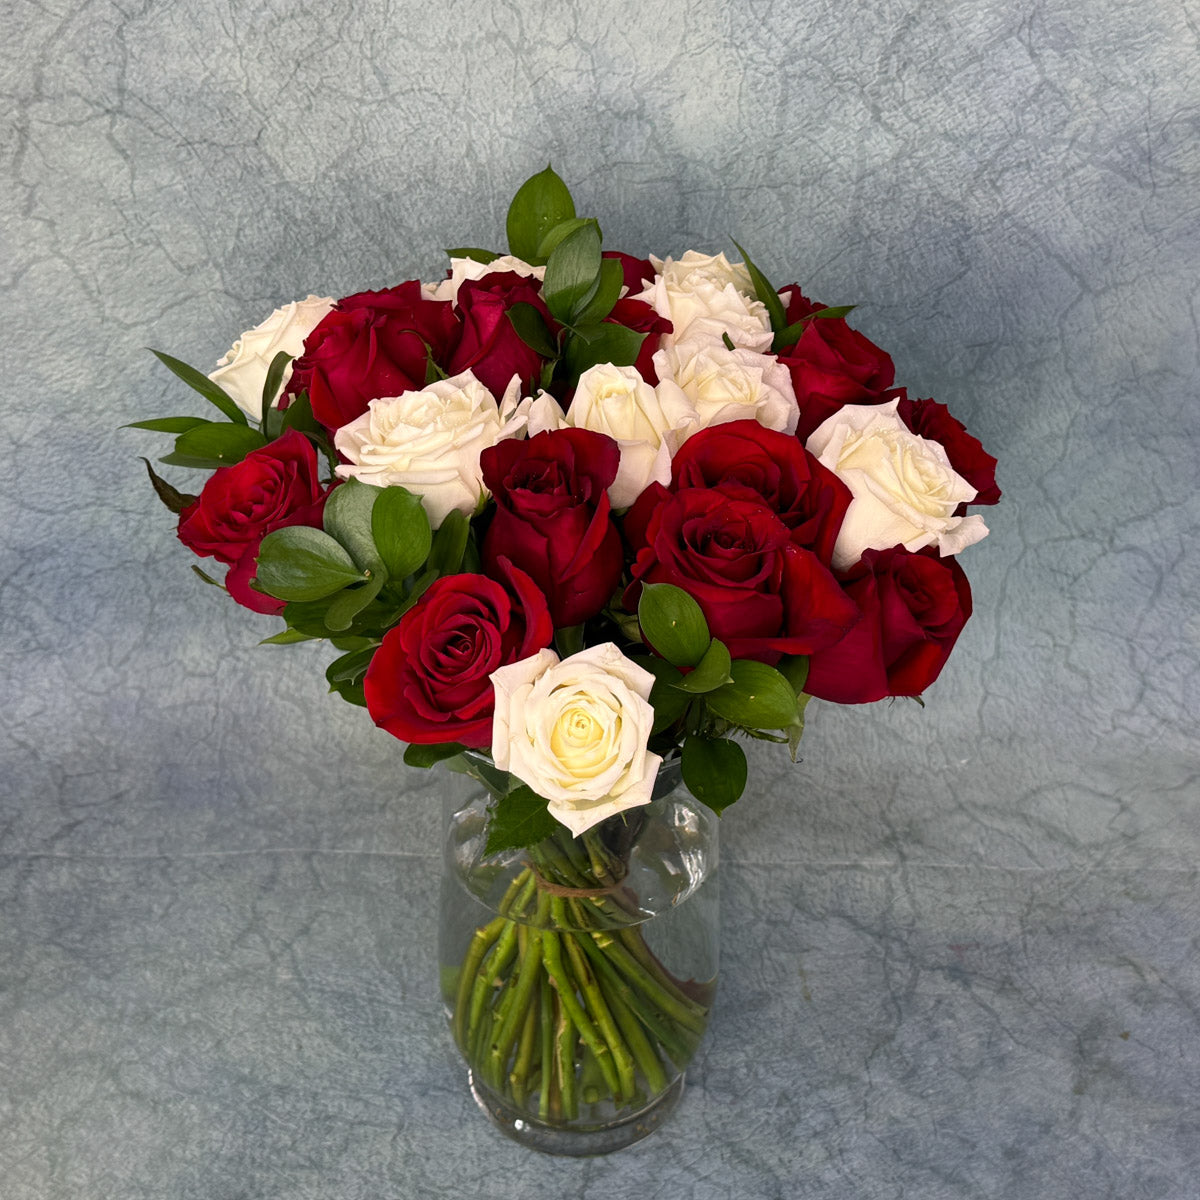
(578, 974)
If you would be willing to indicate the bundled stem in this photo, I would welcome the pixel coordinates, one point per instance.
(560, 1001)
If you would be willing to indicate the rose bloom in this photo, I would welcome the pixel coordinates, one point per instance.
(832, 365)
(490, 347)
(913, 607)
(373, 344)
(464, 269)
(270, 488)
(905, 490)
(706, 296)
(242, 370)
(429, 681)
(744, 459)
(932, 421)
(647, 423)
(429, 441)
(760, 593)
(553, 517)
(576, 731)
(730, 385)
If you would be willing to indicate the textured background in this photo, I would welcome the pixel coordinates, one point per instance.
(960, 943)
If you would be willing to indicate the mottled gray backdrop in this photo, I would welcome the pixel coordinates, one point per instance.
(960, 943)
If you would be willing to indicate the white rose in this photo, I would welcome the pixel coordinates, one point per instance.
(709, 296)
(242, 370)
(576, 732)
(648, 424)
(462, 269)
(905, 490)
(430, 441)
(731, 385)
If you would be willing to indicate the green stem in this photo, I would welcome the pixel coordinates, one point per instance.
(635, 943)
(660, 1026)
(565, 1041)
(517, 1000)
(481, 943)
(685, 1012)
(520, 1072)
(501, 956)
(545, 997)
(639, 1045)
(552, 954)
(622, 1059)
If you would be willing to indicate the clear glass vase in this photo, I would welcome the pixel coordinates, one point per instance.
(578, 975)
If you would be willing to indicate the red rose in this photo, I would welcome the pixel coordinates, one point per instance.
(240, 504)
(913, 608)
(761, 594)
(429, 680)
(553, 519)
(832, 365)
(742, 458)
(929, 419)
(373, 344)
(490, 347)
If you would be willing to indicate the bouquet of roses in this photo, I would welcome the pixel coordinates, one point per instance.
(572, 518)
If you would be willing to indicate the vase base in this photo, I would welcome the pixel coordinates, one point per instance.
(576, 1141)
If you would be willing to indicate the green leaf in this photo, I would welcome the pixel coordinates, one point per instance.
(450, 544)
(218, 444)
(795, 731)
(474, 253)
(612, 280)
(175, 500)
(794, 668)
(168, 424)
(667, 700)
(519, 819)
(714, 770)
(834, 311)
(766, 293)
(759, 697)
(532, 329)
(349, 603)
(573, 273)
(712, 671)
(207, 578)
(568, 640)
(430, 755)
(559, 233)
(400, 529)
(604, 343)
(348, 520)
(420, 586)
(350, 668)
(350, 690)
(790, 335)
(201, 383)
(541, 202)
(728, 341)
(302, 563)
(287, 637)
(299, 415)
(271, 384)
(673, 624)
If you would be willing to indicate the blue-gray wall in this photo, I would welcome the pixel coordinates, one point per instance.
(959, 940)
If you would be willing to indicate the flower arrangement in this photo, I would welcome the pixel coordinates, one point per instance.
(568, 516)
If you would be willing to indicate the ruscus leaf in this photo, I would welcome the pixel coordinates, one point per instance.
(673, 624)
(541, 202)
(714, 770)
(201, 383)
